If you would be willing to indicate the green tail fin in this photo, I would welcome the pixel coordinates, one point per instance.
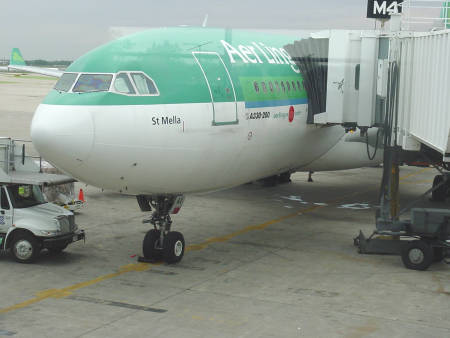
(16, 58)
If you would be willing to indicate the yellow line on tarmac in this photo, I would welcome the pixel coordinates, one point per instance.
(415, 173)
(67, 291)
(208, 242)
(137, 267)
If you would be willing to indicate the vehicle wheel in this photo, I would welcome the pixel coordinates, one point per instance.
(440, 194)
(438, 254)
(417, 255)
(57, 249)
(149, 246)
(25, 248)
(173, 247)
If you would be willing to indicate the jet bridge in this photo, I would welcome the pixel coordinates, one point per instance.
(399, 82)
(347, 75)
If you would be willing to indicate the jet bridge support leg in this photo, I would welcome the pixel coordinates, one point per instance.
(421, 240)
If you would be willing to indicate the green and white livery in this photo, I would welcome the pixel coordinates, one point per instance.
(172, 111)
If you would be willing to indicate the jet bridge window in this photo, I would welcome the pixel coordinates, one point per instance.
(122, 84)
(88, 83)
(144, 85)
(66, 82)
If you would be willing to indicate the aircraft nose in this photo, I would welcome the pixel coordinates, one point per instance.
(63, 135)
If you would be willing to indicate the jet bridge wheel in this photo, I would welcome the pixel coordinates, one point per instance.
(150, 245)
(441, 193)
(417, 255)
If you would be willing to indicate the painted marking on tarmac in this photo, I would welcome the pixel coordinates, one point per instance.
(114, 303)
(67, 291)
(7, 333)
(138, 267)
(414, 174)
(355, 206)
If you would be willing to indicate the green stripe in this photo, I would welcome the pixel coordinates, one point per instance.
(166, 56)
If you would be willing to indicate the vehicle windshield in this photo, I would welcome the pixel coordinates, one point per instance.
(25, 195)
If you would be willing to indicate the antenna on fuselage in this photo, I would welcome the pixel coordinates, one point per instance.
(205, 21)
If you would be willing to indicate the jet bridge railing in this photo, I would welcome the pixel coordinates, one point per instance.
(18, 167)
(13, 156)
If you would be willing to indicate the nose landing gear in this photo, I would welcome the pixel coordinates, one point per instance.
(160, 243)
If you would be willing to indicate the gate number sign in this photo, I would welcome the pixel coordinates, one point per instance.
(382, 9)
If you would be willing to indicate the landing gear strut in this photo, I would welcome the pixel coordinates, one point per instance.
(160, 243)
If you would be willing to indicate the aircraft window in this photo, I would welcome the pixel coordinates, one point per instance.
(144, 85)
(288, 86)
(92, 83)
(255, 84)
(277, 86)
(282, 86)
(122, 84)
(263, 85)
(293, 85)
(65, 82)
(271, 86)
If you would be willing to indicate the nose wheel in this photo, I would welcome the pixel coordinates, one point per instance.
(173, 250)
(160, 243)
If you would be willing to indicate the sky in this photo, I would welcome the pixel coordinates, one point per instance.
(65, 30)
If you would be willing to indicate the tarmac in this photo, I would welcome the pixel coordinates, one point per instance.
(260, 262)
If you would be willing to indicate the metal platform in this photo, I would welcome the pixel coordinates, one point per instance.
(16, 167)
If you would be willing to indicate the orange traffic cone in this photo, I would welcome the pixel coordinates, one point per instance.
(81, 196)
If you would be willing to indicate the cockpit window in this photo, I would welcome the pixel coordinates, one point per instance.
(122, 84)
(65, 82)
(144, 85)
(92, 83)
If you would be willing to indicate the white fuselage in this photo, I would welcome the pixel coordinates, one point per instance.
(155, 149)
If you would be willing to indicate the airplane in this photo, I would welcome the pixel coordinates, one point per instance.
(173, 111)
(17, 62)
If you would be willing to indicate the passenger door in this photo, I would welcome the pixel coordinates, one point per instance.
(6, 213)
(220, 85)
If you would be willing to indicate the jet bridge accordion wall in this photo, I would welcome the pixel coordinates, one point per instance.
(424, 91)
(311, 56)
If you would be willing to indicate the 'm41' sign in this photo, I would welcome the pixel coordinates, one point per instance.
(383, 9)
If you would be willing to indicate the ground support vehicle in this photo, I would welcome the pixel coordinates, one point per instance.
(28, 222)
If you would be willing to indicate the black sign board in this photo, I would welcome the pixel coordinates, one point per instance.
(382, 9)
